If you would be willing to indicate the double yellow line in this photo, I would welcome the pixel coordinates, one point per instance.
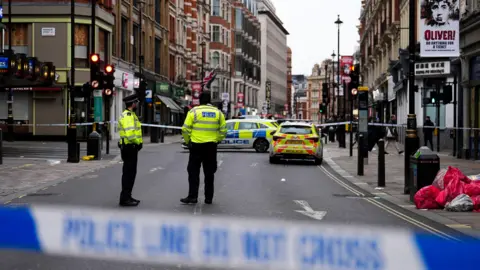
(389, 209)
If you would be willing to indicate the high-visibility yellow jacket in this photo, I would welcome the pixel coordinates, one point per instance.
(203, 124)
(130, 128)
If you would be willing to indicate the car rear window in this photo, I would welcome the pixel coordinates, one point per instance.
(300, 130)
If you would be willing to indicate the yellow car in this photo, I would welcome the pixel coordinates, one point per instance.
(296, 140)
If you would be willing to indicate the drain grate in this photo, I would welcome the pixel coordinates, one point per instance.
(42, 194)
(350, 196)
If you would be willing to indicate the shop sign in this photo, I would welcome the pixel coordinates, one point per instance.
(163, 87)
(432, 68)
(179, 92)
(124, 80)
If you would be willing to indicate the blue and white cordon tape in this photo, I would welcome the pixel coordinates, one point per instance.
(215, 242)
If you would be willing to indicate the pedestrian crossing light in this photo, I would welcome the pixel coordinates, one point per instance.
(95, 74)
(109, 82)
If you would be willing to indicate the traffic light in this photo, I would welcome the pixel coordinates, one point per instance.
(447, 94)
(323, 108)
(109, 82)
(325, 92)
(433, 97)
(47, 73)
(354, 77)
(21, 66)
(95, 74)
(142, 86)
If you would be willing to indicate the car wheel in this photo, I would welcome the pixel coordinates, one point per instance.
(261, 145)
(273, 160)
(318, 161)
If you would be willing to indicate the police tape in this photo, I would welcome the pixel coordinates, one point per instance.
(90, 124)
(216, 242)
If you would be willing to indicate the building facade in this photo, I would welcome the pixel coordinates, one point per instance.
(246, 74)
(134, 37)
(221, 47)
(289, 82)
(300, 97)
(274, 56)
(468, 71)
(314, 90)
(379, 43)
(177, 37)
(42, 29)
(198, 38)
(384, 47)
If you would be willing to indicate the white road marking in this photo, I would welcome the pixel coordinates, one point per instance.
(156, 169)
(283, 180)
(197, 210)
(308, 210)
(219, 163)
(253, 164)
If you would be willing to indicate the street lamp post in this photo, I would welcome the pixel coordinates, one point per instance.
(411, 139)
(202, 45)
(325, 101)
(338, 22)
(333, 82)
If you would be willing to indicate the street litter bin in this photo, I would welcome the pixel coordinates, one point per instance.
(94, 145)
(424, 166)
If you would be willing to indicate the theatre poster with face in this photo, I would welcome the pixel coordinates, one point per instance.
(439, 23)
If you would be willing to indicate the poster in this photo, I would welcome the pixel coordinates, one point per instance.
(196, 90)
(346, 62)
(240, 101)
(438, 28)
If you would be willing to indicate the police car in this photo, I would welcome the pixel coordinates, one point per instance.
(296, 140)
(247, 134)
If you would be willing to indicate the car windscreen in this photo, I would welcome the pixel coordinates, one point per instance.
(299, 130)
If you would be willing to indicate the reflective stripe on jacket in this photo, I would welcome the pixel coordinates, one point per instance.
(130, 128)
(203, 124)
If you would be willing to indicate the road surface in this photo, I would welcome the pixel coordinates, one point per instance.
(246, 186)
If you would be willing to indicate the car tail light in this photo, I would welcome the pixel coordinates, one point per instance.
(276, 138)
(315, 140)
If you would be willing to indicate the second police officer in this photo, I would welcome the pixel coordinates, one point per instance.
(203, 129)
(131, 142)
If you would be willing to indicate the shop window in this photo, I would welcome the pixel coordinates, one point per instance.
(81, 45)
(19, 37)
(125, 39)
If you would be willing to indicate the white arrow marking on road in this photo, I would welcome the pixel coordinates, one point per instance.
(308, 211)
(156, 169)
(253, 165)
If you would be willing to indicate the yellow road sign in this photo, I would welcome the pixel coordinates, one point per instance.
(362, 88)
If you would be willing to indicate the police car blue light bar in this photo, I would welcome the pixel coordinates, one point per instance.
(221, 243)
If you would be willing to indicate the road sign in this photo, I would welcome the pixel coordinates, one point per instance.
(354, 91)
(347, 79)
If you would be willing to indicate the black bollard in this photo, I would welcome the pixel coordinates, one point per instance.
(1, 147)
(94, 145)
(154, 134)
(360, 155)
(162, 135)
(72, 145)
(381, 163)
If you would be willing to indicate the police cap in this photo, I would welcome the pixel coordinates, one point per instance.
(131, 99)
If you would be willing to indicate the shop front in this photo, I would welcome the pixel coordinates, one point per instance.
(124, 86)
(166, 110)
(35, 105)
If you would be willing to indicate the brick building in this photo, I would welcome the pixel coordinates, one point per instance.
(289, 82)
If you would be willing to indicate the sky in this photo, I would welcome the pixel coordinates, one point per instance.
(313, 33)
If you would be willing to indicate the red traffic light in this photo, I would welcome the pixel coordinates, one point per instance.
(94, 58)
(109, 69)
(352, 68)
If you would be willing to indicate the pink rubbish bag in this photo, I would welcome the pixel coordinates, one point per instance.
(476, 203)
(454, 188)
(425, 198)
(454, 173)
(438, 182)
(472, 189)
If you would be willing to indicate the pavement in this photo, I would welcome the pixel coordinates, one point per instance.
(346, 166)
(31, 166)
(246, 186)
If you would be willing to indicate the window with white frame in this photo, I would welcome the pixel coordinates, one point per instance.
(215, 59)
(216, 8)
(216, 33)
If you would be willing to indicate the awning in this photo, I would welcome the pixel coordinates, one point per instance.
(170, 104)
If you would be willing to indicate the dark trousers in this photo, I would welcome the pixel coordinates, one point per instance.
(202, 154)
(129, 172)
(429, 139)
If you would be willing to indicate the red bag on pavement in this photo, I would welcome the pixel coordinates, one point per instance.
(425, 198)
(476, 203)
(455, 187)
(472, 189)
(454, 173)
